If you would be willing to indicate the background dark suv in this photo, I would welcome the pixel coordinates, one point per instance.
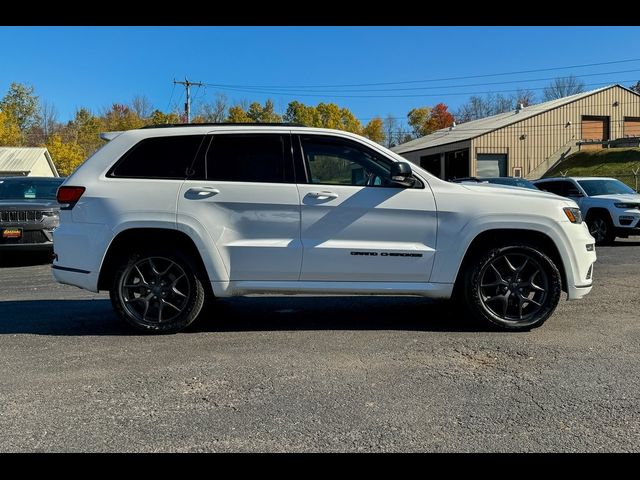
(29, 212)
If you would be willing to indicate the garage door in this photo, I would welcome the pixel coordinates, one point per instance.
(595, 128)
(631, 127)
(491, 165)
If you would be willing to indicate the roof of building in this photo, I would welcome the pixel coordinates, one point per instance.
(22, 159)
(475, 128)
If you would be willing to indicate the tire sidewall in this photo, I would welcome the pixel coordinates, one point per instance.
(194, 302)
(609, 236)
(477, 306)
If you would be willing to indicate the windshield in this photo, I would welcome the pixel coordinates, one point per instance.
(516, 182)
(25, 188)
(604, 187)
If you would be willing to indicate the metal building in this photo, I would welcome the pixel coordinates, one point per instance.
(527, 141)
(26, 161)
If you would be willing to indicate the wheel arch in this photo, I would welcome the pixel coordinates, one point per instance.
(128, 240)
(499, 237)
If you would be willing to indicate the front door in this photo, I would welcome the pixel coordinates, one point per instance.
(356, 224)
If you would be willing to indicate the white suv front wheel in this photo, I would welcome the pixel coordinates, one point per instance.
(513, 287)
(157, 291)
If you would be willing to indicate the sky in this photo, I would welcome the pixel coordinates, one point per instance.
(373, 71)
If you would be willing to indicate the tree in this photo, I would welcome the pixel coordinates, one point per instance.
(323, 115)
(159, 118)
(390, 126)
(65, 156)
(237, 114)
(636, 87)
(525, 97)
(141, 106)
(374, 130)
(300, 113)
(439, 118)
(49, 118)
(121, 117)
(9, 131)
(21, 104)
(417, 118)
(562, 87)
(84, 130)
(215, 112)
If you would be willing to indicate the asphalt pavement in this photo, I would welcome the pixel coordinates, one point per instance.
(319, 374)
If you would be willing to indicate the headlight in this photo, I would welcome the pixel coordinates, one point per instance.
(627, 205)
(573, 214)
(49, 214)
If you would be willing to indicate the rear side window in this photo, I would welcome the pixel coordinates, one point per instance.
(250, 158)
(561, 187)
(171, 157)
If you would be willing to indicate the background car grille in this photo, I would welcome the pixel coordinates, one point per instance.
(20, 216)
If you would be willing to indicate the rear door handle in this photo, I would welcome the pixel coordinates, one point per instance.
(201, 192)
(323, 195)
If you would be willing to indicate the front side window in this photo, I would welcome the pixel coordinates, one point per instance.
(249, 158)
(169, 157)
(334, 162)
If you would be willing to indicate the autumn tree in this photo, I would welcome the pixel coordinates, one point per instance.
(374, 130)
(563, 87)
(237, 114)
(439, 118)
(66, 156)
(120, 117)
(9, 131)
(417, 118)
(22, 105)
(160, 118)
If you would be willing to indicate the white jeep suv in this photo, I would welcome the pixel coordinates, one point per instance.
(610, 208)
(164, 218)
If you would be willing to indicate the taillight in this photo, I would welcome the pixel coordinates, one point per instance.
(68, 196)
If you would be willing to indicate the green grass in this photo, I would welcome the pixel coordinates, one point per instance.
(614, 162)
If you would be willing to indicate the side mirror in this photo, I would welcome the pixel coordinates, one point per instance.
(401, 174)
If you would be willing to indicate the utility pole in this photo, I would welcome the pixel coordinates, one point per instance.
(187, 105)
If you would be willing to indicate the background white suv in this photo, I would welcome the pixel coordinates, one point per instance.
(165, 217)
(610, 208)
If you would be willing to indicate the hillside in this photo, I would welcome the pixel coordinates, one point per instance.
(614, 162)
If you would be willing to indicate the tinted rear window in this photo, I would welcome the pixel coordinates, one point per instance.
(169, 157)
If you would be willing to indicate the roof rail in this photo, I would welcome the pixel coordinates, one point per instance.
(249, 124)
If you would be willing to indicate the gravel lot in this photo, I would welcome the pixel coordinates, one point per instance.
(319, 374)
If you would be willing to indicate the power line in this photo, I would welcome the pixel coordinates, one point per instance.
(429, 80)
(250, 89)
(416, 95)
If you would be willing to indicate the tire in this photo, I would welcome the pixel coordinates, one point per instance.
(157, 291)
(601, 228)
(512, 287)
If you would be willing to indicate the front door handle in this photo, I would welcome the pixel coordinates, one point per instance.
(323, 195)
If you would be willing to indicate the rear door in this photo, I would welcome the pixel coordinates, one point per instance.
(356, 224)
(243, 197)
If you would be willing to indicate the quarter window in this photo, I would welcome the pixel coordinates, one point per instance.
(170, 157)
